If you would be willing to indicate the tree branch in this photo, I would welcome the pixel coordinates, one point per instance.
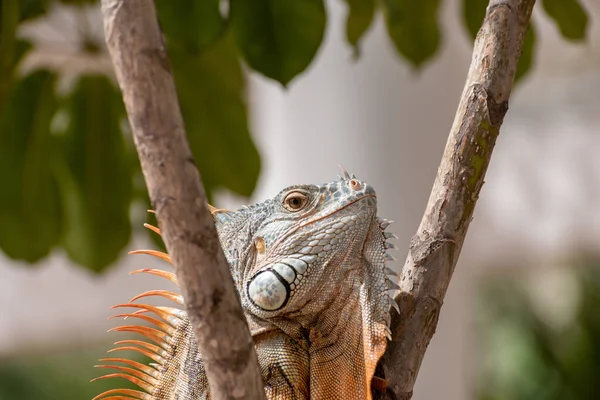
(137, 49)
(435, 248)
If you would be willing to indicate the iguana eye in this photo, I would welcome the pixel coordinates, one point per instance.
(295, 201)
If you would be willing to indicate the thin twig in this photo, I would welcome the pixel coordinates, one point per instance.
(435, 248)
(137, 49)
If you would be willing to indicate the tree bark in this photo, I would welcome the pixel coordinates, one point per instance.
(435, 248)
(137, 49)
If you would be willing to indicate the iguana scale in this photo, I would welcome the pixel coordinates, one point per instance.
(309, 266)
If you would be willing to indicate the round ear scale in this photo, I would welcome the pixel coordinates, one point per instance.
(268, 290)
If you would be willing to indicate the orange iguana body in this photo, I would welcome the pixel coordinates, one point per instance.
(309, 266)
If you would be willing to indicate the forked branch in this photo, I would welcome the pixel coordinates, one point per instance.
(137, 49)
(435, 248)
(136, 46)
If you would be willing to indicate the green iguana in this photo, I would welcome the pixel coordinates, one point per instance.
(309, 266)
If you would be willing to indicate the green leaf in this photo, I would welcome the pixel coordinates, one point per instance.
(31, 9)
(95, 175)
(11, 49)
(30, 211)
(9, 21)
(78, 2)
(191, 25)
(526, 60)
(211, 94)
(360, 17)
(22, 47)
(569, 15)
(278, 38)
(474, 14)
(413, 28)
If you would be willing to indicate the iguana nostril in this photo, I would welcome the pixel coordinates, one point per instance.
(355, 184)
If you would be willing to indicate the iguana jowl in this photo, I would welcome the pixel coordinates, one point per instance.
(309, 266)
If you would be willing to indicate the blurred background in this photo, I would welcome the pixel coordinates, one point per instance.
(521, 318)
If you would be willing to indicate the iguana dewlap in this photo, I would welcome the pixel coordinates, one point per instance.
(309, 266)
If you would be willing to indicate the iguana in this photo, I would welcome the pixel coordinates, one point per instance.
(309, 266)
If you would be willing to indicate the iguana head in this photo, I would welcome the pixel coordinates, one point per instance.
(300, 241)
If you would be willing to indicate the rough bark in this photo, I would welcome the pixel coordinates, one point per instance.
(137, 49)
(435, 248)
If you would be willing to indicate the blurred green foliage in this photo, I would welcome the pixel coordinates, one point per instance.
(413, 28)
(71, 184)
(570, 16)
(93, 153)
(278, 38)
(60, 375)
(360, 16)
(524, 354)
(30, 206)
